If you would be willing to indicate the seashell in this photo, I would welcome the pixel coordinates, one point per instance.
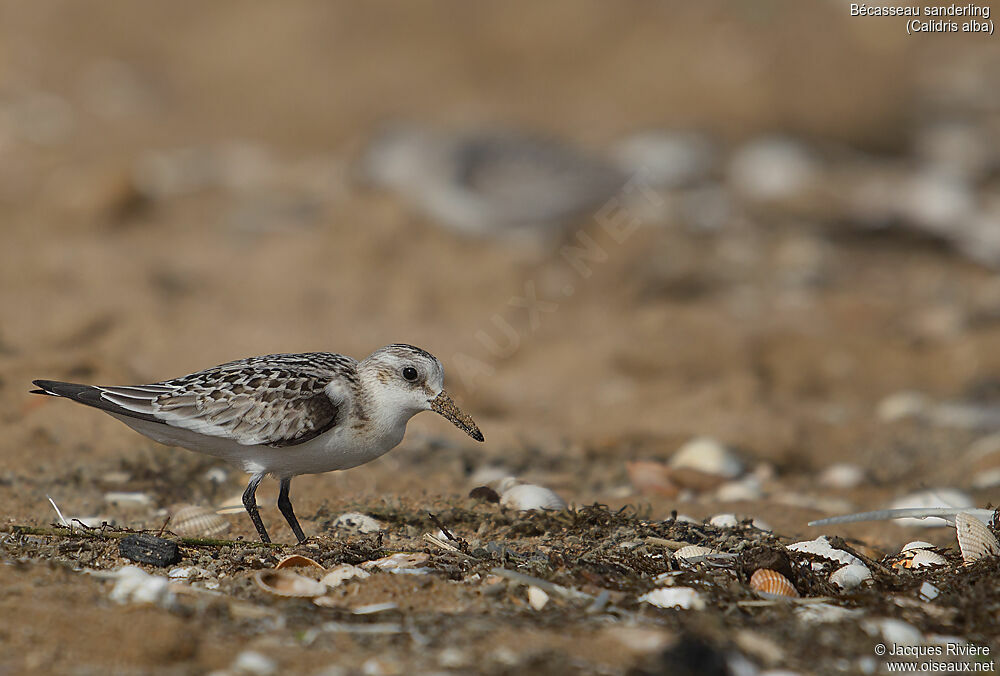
(356, 522)
(187, 573)
(928, 592)
(134, 585)
(684, 598)
(975, 539)
(397, 562)
(920, 558)
(526, 497)
(298, 561)
(850, 576)
(825, 613)
(842, 475)
(709, 457)
(937, 497)
(916, 544)
(340, 574)
(650, 477)
(128, 499)
(743, 490)
(692, 552)
(761, 525)
(197, 521)
(893, 631)
(287, 583)
(767, 581)
(821, 547)
(770, 169)
(537, 598)
(670, 159)
(724, 521)
(902, 405)
(232, 505)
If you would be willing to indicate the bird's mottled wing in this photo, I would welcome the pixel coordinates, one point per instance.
(277, 400)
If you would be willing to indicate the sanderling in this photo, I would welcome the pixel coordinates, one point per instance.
(284, 414)
(490, 182)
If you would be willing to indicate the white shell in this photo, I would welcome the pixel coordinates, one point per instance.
(537, 598)
(823, 613)
(925, 558)
(128, 499)
(937, 497)
(709, 456)
(821, 547)
(134, 585)
(850, 576)
(197, 521)
(974, 538)
(893, 631)
(398, 562)
(772, 168)
(916, 544)
(286, 583)
(842, 475)
(671, 159)
(684, 598)
(526, 497)
(692, 552)
(743, 490)
(345, 571)
(928, 592)
(356, 522)
(902, 405)
(724, 521)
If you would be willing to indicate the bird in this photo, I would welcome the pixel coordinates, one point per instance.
(283, 414)
(490, 182)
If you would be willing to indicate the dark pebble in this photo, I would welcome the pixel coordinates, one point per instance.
(143, 548)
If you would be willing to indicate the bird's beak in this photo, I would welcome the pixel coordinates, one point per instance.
(445, 406)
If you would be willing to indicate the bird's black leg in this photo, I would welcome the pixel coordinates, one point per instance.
(285, 506)
(250, 503)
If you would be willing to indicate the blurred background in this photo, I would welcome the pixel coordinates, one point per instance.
(810, 278)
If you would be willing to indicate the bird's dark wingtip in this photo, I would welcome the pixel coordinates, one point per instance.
(44, 387)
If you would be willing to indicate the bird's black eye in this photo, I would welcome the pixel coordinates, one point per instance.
(410, 373)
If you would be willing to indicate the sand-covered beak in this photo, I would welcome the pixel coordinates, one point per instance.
(445, 406)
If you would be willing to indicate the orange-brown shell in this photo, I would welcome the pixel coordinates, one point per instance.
(767, 581)
(297, 561)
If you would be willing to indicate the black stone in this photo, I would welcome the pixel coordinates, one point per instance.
(143, 548)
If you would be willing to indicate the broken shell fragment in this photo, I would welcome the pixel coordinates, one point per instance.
(197, 521)
(298, 561)
(340, 574)
(355, 522)
(916, 544)
(975, 539)
(399, 562)
(850, 576)
(286, 583)
(684, 598)
(692, 552)
(821, 547)
(537, 598)
(767, 581)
